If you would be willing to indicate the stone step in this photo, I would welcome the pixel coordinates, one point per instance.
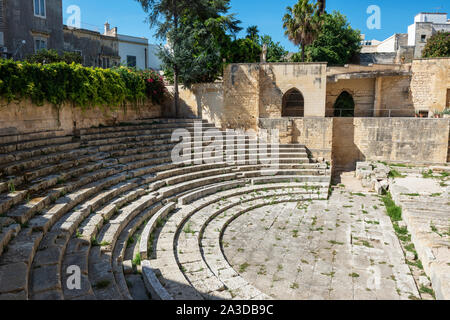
(281, 179)
(54, 213)
(203, 192)
(101, 276)
(48, 292)
(13, 136)
(141, 130)
(35, 152)
(108, 238)
(169, 191)
(110, 231)
(22, 213)
(48, 175)
(150, 227)
(150, 124)
(15, 265)
(36, 162)
(282, 172)
(29, 144)
(121, 245)
(63, 228)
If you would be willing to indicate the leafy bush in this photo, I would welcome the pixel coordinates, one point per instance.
(45, 56)
(437, 46)
(60, 82)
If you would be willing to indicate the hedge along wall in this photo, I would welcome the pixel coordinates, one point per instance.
(37, 97)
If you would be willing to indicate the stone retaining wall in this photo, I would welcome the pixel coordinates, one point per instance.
(348, 140)
(412, 140)
(25, 117)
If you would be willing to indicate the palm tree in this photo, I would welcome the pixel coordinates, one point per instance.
(302, 24)
(252, 32)
(322, 6)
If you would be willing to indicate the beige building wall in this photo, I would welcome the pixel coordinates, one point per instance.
(394, 98)
(278, 78)
(362, 91)
(429, 84)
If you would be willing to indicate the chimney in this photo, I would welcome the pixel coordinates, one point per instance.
(107, 28)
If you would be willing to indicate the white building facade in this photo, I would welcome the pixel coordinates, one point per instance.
(135, 51)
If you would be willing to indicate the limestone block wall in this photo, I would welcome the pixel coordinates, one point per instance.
(25, 117)
(429, 84)
(395, 99)
(202, 100)
(278, 78)
(241, 96)
(411, 140)
(315, 133)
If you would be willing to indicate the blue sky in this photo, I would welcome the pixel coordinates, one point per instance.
(128, 16)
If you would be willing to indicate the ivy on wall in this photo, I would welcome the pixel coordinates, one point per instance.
(59, 83)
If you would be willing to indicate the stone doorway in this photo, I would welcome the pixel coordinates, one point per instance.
(293, 104)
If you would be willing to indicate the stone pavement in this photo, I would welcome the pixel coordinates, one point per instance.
(343, 248)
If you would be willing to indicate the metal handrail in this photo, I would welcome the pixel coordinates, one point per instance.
(387, 113)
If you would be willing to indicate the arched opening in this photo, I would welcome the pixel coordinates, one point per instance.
(293, 104)
(344, 105)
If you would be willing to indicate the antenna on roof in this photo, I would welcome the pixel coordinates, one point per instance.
(438, 9)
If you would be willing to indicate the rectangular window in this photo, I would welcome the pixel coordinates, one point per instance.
(131, 61)
(423, 38)
(39, 44)
(40, 8)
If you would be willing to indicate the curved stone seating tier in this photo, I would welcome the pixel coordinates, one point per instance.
(186, 228)
(95, 201)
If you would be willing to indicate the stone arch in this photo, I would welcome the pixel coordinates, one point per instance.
(293, 104)
(344, 106)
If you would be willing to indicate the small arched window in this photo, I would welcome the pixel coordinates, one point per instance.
(293, 104)
(344, 105)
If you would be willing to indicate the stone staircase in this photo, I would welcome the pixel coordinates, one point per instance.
(111, 202)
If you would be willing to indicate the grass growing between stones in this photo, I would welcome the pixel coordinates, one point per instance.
(395, 174)
(137, 260)
(393, 211)
(243, 267)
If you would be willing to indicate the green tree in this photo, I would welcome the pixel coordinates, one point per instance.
(196, 32)
(244, 51)
(165, 15)
(275, 51)
(336, 42)
(252, 32)
(437, 46)
(302, 24)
